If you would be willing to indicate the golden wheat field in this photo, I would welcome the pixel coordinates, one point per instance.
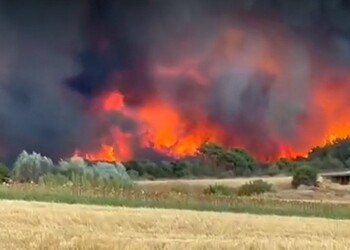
(34, 225)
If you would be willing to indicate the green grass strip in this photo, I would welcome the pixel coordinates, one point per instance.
(332, 212)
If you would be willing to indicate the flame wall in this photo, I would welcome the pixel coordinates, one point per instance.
(120, 80)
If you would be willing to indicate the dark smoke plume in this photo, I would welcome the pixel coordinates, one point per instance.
(57, 56)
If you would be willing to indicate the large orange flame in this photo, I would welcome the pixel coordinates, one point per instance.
(164, 128)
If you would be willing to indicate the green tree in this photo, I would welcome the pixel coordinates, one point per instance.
(4, 172)
(30, 167)
(338, 149)
(210, 153)
(273, 170)
(233, 159)
(305, 175)
(211, 149)
(182, 169)
(341, 151)
(286, 165)
(238, 161)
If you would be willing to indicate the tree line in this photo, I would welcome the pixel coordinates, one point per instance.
(212, 160)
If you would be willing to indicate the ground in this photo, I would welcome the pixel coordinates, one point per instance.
(39, 225)
(36, 225)
(281, 182)
(282, 188)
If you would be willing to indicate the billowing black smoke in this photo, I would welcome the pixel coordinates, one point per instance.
(57, 56)
(110, 49)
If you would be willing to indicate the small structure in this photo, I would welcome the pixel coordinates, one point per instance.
(343, 178)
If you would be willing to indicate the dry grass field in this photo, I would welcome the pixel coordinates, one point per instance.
(279, 183)
(282, 181)
(33, 225)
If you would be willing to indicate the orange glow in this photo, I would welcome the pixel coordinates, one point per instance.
(114, 102)
(166, 131)
(332, 99)
(164, 127)
(106, 153)
(119, 150)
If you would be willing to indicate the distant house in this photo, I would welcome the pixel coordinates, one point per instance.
(342, 178)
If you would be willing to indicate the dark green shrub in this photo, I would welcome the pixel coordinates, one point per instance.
(134, 165)
(286, 166)
(244, 172)
(147, 177)
(182, 169)
(305, 175)
(165, 169)
(254, 187)
(4, 172)
(220, 190)
(273, 170)
(134, 175)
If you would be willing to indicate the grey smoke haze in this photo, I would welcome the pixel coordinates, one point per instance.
(57, 56)
(36, 113)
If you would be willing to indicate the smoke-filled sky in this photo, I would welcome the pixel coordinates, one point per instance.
(124, 79)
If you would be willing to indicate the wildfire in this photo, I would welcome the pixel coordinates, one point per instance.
(114, 102)
(118, 150)
(162, 126)
(167, 131)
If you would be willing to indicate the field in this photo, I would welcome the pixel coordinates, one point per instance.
(283, 182)
(171, 214)
(329, 192)
(191, 196)
(35, 225)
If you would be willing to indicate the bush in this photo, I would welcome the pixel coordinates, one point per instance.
(111, 171)
(147, 177)
(164, 169)
(95, 174)
(273, 170)
(220, 190)
(54, 180)
(74, 167)
(239, 161)
(134, 175)
(4, 172)
(244, 172)
(286, 166)
(30, 167)
(182, 169)
(254, 187)
(305, 175)
(146, 167)
(226, 175)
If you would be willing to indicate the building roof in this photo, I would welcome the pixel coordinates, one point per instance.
(336, 174)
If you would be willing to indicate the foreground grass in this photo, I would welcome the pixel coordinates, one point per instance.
(36, 225)
(137, 198)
